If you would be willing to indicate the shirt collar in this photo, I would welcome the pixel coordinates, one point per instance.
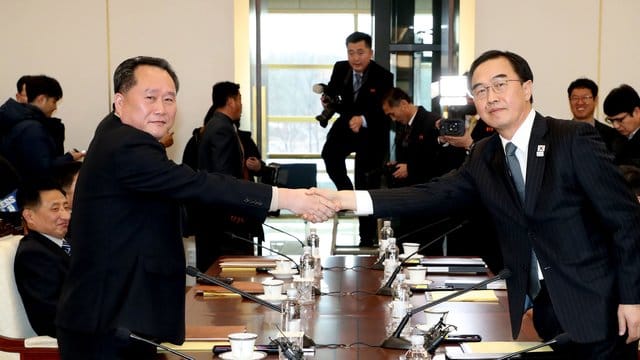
(521, 137)
(55, 240)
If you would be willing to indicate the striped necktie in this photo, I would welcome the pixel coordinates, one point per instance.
(66, 247)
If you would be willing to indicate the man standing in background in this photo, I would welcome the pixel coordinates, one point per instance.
(583, 101)
(362, 126)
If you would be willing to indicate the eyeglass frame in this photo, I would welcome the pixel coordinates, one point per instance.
(611, 121)
(502, 81)
(585, 99)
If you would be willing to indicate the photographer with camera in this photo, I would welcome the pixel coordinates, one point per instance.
(355, 91)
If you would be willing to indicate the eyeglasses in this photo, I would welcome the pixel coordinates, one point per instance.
(581, 98)
(499, 86)
(612, 121)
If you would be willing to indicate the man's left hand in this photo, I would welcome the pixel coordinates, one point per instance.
(629, 321)
(355, 123)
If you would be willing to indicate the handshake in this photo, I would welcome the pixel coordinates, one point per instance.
(315, 205)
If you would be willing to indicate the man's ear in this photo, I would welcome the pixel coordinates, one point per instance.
(39, 101)
(27, 215)
(118, 100)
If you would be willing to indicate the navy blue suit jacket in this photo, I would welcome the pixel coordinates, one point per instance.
(578, 215)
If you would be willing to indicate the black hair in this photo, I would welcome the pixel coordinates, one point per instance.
(222, 91)
(357, 37)
(43, 85)
(23, 80)
(124, 78)
(623, 99)
(583, 83)
(394, 96)
(518, 63)
(28, 195)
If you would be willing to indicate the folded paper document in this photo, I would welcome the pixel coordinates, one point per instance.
(246, 286)
(473, 295)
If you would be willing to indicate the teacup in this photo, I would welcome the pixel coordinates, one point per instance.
(272, 287)
(417, 273)
(410, 248)
(283, 265)
(242, 345)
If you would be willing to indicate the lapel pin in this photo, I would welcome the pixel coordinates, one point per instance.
(540, 151)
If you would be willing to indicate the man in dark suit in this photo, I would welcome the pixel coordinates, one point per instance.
(42, 258)
(362, 127)
(583, 101)
(622, 107)
(415, 140)
(128, 265)
(561, 209)
(220, 151)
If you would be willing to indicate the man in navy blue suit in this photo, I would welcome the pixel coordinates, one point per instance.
(568, 226)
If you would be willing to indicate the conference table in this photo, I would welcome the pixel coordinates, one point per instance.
(348, 320)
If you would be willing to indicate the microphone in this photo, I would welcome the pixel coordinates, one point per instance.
(396, 342)
(379, 264)
(193, 271)
(561, 339)
(284, 232)
(316, 291)
(234, 236)
(386, 289)
(125, 334)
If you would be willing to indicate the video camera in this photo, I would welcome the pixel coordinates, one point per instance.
(329, 100)
(452, 127)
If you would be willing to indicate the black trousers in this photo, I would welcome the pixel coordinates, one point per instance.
(546, 324)
(368, 170)
(83, 346)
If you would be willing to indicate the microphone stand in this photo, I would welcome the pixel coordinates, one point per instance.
(559, 340)
(379, 263)
(386, 289)
(396, 342)
(284, 232)
(192, 271)
(123, 333)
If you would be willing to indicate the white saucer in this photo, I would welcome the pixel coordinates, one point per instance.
(255, 356)
(413, 257)
(420, 282)
(279, 274)
(274, 300)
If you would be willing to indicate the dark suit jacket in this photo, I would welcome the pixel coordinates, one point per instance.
(219, 149)
(611, 137)
(579, 216)
(629, 151)
(419, 149)
(376, 82)
(128, 265)
(40, 268)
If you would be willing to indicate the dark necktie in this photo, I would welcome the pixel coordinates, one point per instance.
(66, 247)
(516, 174)
(357, 84)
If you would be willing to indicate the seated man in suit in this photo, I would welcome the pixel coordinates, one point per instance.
(42, 258)
(622, 106)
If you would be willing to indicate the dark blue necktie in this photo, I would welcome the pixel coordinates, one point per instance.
(516, 174)
(357, 84)
(66, 247)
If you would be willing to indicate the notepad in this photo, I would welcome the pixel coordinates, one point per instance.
(473, 295)
(246, 286)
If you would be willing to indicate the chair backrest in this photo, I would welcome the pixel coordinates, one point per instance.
(296, 176)
(13, 318)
